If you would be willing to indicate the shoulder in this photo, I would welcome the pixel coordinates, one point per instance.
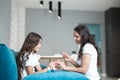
(88, 48)
(25, 56)
(88, 45)
(36, 55)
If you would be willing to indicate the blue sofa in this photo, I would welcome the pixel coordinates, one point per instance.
(8, 69)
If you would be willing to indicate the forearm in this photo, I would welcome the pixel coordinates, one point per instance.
(76, 69)
(84, 64)
(74, 63)
(43, 70)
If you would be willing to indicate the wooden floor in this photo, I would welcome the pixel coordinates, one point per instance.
(110, 78)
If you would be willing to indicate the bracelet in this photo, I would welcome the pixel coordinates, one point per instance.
(49, 70)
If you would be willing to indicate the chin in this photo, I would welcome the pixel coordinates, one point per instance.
(37, 50)
(76, 42)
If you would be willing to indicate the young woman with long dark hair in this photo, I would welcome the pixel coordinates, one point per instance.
(87, 59)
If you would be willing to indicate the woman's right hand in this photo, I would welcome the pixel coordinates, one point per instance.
(51, 65)
(66, 56)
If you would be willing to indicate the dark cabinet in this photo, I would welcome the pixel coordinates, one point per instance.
(112, 29)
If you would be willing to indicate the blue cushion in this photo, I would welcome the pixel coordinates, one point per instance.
(14, 52)
(58, 75)
(8, 68)
(42, 66)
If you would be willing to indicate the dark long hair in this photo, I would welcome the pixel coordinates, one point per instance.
(86, 37)
(30, 42)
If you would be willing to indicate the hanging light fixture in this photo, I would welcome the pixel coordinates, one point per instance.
(50, 7)
(41, 3)
(59, 10)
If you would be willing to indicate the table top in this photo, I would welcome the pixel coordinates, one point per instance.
(51, 57)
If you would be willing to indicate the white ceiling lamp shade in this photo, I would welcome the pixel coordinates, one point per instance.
(41, 3)
(59, 10)
(50, 7)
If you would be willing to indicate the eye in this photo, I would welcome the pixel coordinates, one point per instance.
(40, 42)
(76, 36)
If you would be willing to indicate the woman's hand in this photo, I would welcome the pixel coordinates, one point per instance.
(51, 65)
(62, 65)
(66, 57)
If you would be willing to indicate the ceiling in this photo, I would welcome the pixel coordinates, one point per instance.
(84, 5)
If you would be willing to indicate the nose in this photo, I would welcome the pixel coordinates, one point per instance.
(74, 38)
(40, 45)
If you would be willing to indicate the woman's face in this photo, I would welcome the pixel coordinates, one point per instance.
(77, 37)
(38, 46)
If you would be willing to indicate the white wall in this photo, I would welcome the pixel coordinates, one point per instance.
(21, 27)
(59, 33)
(14, 25)
(5, 15)
(8, 23)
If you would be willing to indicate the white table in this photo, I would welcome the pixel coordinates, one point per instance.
(50, 58)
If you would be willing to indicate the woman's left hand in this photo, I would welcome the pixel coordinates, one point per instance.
(62, 64)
